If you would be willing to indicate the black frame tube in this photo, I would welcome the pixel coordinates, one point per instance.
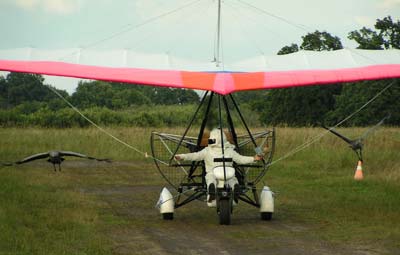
(204, 123)
(191, 198)
(242, 119)
(222, 137)
(230, 121)
(248, 200)
(188, 127)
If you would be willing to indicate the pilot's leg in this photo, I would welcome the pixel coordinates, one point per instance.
(234, 183)
(211, 186)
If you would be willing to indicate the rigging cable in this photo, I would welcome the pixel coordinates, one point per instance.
(289, 154)
(251, 18)
(318, 137)
(102, 129)
(315, 139)
(302, 27)
(178, 23)
(199, 13)
(145, 38)
(131, 27)
(243, 30)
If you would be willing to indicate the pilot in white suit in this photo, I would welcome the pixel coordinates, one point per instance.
(212, 151)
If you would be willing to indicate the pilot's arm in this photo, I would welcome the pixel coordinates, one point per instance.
(195, 156)
(239, 159)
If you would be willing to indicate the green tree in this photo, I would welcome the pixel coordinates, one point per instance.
(354, 96)
(387, 35)
(93, 93)
(129, 97)
(169, 96)
(187, 96)
(367, 39)
(20, 88)
(3, 92)
(122, 95)
(390, 32)
(289, 49)
(320, 41)
(305, 105)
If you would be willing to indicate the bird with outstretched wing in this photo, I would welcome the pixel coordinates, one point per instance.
(357, 144)
(54, 157)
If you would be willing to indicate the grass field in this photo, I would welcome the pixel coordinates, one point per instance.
(100, 208)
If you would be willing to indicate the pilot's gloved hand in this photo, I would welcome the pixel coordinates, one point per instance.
(258, 157)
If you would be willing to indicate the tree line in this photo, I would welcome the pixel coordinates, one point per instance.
(310, 106)
(25, 99)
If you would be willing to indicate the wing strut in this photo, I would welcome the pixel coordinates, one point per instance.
(243, 121)
(188, 127)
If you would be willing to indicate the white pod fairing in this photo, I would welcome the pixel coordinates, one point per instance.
(166, 202)
(266, 200)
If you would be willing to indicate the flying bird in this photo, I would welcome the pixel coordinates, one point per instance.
(54, 157)
(357, 144)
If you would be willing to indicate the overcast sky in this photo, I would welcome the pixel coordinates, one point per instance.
(183, 27)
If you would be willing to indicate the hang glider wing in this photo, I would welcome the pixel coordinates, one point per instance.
(298, 69)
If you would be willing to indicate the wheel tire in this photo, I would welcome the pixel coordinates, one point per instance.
(266, 216)
(225, 212)
(168, 216)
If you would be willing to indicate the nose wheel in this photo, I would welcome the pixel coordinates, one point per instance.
(225, 210)
(266, 216)
(168, 216)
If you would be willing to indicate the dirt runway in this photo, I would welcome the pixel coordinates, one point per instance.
(195, 229)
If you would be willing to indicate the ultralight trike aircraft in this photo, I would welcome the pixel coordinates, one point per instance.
(188, 179)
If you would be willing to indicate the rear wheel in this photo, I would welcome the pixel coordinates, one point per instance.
(266, 216)
(168, 216)
(225, 212)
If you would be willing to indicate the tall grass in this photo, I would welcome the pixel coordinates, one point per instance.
(316, 186)
(380, 151)
(41, 214)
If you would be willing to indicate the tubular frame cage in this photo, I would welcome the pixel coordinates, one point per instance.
(188, 178)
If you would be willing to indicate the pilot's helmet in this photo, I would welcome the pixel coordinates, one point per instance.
(215, 137)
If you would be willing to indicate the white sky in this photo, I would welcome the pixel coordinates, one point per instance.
(189, 32)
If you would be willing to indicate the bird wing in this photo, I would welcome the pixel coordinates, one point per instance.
(75, 154)
(369, 131)
(101, 159)
(347, 140)
(33, 157)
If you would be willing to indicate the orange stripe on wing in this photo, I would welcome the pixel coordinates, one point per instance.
(198, 80)
(248, 81)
